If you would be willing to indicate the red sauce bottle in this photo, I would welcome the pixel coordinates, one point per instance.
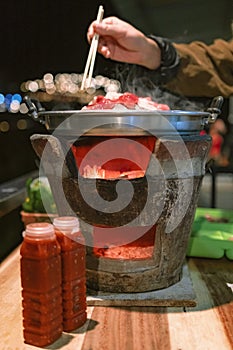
(41, 285)
(73, 255)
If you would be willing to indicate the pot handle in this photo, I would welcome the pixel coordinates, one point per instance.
(34, 107)
(215, 108)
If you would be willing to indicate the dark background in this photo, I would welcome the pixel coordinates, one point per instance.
(37, 37)
(41, 36)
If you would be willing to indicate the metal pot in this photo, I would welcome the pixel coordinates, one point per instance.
(127, 122)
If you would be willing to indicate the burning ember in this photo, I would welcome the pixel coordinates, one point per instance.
(113, 157)
(114, 247)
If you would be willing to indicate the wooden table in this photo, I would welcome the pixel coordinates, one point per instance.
(208, 326)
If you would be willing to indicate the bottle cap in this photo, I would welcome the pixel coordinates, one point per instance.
(39, 230)
(66, 223)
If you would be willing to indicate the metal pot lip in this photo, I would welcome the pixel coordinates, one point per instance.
(122, 113)
(85, 119)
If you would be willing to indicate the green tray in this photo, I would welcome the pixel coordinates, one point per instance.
(212, 234)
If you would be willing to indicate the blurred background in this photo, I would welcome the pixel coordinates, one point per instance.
(47, 36)
(43, 36)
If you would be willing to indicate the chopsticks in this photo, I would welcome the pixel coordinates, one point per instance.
(88, 71)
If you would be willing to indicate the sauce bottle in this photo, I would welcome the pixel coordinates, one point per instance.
(73, 255)
(40, 267)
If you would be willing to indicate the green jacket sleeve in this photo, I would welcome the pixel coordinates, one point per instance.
(204, 70)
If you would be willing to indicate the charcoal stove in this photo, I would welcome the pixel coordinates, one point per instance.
(136, 217)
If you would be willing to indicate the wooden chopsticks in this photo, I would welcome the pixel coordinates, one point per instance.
(88, 71)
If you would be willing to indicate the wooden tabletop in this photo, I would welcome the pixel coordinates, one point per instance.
(207, 326)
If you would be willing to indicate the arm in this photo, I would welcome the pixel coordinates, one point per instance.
(148, 57)
(205, 70)
(194, 69)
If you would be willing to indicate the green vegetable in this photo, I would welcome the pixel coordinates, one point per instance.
(39, 197)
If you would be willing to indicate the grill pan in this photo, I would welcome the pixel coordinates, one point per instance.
(125, 122)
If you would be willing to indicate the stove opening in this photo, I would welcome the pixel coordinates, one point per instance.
(121, 243)
(113, 157)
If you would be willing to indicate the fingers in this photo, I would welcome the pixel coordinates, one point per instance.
(105, 48)
(110, 26)
(104, 51)
(90, 32)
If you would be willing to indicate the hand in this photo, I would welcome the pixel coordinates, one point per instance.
(120, 41)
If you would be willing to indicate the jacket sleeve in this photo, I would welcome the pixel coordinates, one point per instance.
(204, 70)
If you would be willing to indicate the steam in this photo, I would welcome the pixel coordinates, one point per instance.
(133, 80)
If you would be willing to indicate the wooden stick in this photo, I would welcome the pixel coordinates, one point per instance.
(92, 53)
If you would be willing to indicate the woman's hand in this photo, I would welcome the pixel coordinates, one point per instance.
(120, 41)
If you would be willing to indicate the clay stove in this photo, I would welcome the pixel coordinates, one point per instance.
(142, 246)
